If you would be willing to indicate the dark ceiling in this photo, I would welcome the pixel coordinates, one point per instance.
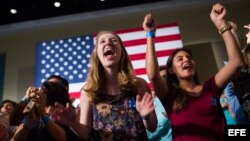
(38, 9)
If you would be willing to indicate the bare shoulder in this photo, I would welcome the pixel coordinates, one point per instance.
(84, 95)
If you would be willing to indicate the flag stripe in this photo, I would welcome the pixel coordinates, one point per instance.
(157, 40)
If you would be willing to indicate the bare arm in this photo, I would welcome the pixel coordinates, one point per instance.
(235, 59)
(84, 128)
(152, 67)
(145, 105)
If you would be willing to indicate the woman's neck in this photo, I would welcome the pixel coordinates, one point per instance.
(188, 85)
(111, 83)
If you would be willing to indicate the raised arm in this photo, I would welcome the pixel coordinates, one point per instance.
(235, 58)
(152, 67)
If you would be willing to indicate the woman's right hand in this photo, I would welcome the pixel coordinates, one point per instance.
(65, 115)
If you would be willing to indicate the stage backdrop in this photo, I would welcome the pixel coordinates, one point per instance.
(69, 57)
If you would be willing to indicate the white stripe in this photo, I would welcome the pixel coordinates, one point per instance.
(75, 87)
(159, 47)
(138, 64)
(141, 34)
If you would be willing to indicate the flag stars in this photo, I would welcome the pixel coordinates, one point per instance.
(43, 62)
(61, 50)
(61, 68)
(52, 42)
(79, 57)
(80, 76)
(48, 47)
(52, 70)
(70, 49)
(52, 51)
(56, 64)
(70, 40)
(61, 59)
(70, 67)
(79, 48)
(65, 63)
(52, 60)
(66, 73)
(70, 58)
(66, 57)
(47, 57)
(65, 54)
(75, 71)
(84, 70)
(65, 45)
(78, 39)
(43, 71)
(83, 43)
(47, 75)
(47, 66)
(44, 44)
(43, 52)
(79, 66)
(56, 46)
(56, 55)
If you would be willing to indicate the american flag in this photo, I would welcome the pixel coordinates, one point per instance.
(69, 57)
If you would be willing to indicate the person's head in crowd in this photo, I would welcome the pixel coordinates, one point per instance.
(55, 92)
(7, 106)
(120, 62)
(174, 67)
(59, 79)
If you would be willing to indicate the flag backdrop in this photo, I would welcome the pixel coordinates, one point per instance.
(69, 57)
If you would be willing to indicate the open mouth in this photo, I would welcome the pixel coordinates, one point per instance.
(109, 53)
(187, 66)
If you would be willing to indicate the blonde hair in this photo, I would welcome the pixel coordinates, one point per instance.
(96, 76)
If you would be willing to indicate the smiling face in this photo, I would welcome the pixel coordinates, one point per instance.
(109, 49)
(7, 107)
(183, 65)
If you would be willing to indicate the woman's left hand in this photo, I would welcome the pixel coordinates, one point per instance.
(145, 104)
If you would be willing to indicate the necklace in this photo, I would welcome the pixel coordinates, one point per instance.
(111, 99)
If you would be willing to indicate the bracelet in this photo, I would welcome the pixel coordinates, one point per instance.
(146, 117)
(46, 119)
(228, 26)
(25, 99)
(150, 34)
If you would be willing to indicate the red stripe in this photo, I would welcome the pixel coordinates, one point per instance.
(157, 40)
(75, 94)
(141, 29)
(158, 54)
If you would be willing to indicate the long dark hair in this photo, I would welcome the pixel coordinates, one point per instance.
(179, 95)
